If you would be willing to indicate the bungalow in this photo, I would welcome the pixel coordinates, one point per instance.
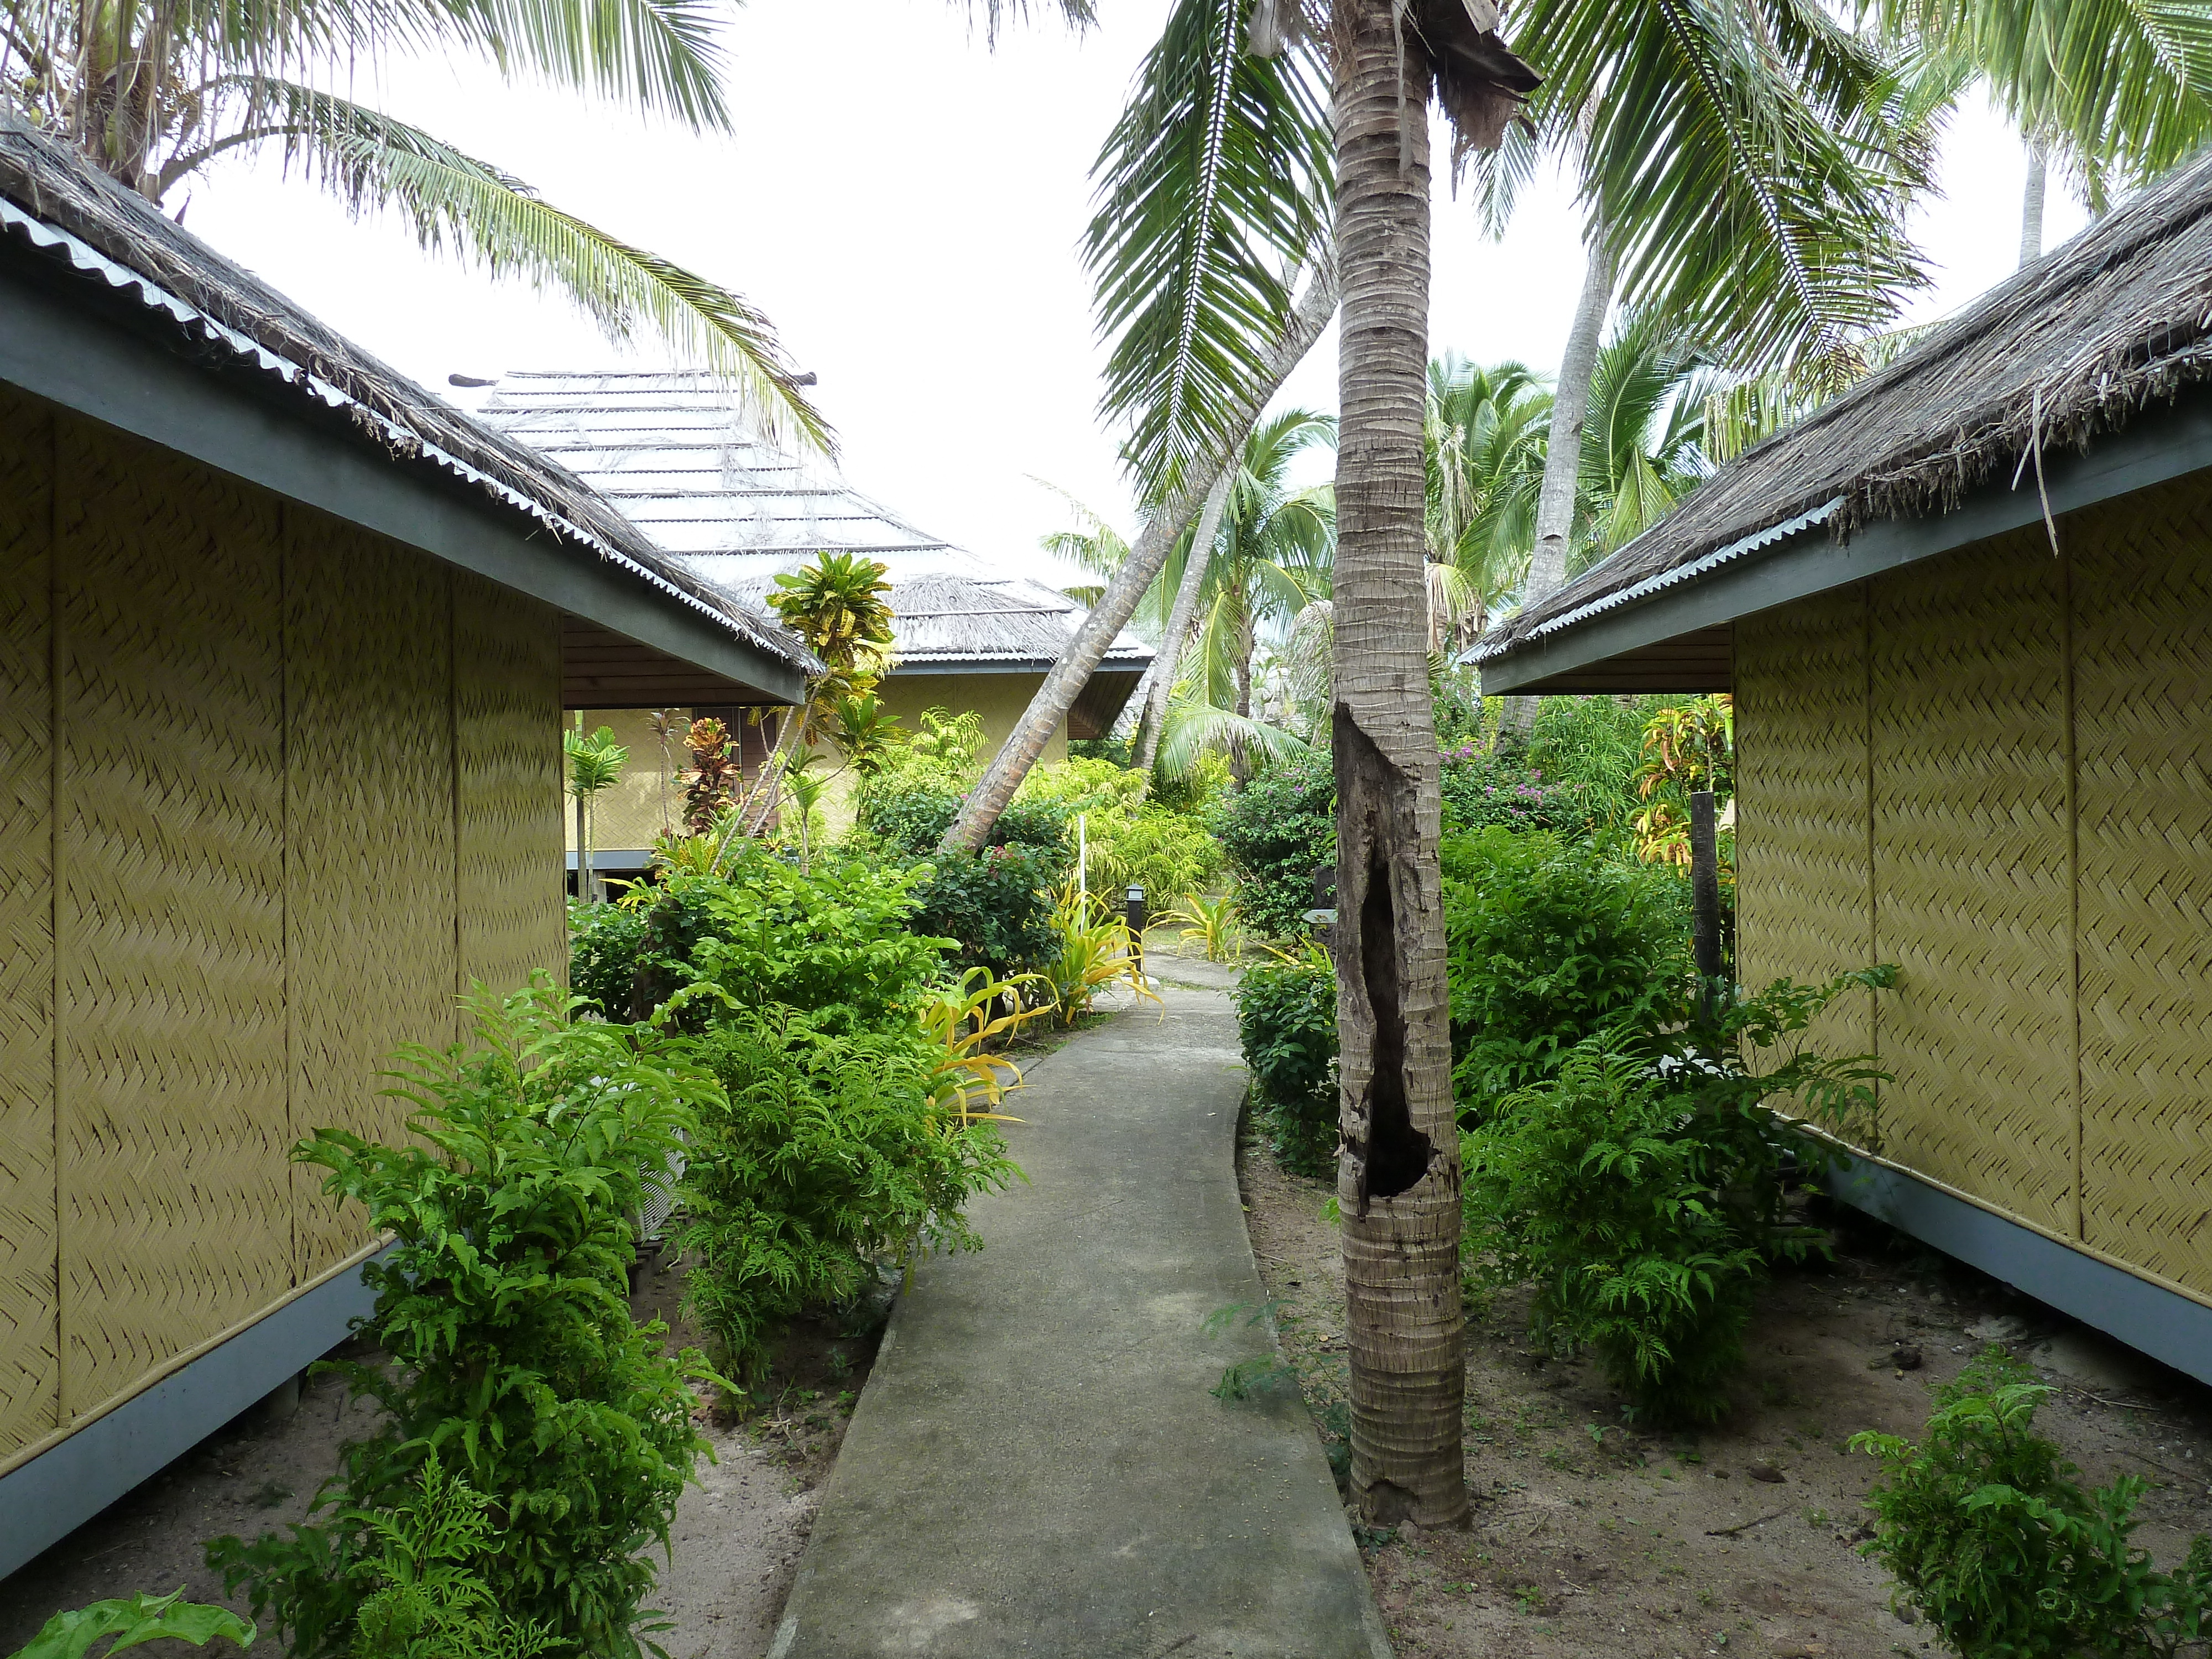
(675, 454)
(284, 646)
(1966, 612)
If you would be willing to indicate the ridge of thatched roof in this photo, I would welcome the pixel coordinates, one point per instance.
(675, 453)
(2066, 351)
(222, 316)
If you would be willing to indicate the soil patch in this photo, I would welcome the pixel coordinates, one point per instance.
(737, 1536)
(1592, 1538)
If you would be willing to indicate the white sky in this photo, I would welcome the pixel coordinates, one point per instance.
(907, 207)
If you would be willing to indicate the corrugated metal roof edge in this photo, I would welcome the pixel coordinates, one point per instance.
(1483, 651)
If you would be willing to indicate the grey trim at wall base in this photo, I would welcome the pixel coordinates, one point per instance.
(68, 355)
(2149, 1318)
(58, 1490)
(2156, 449)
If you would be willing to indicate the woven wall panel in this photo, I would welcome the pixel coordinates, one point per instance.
(175, 1193)
(2142, 609)
(30, 1361)
(507, 714)
(1970, 871)
(370, 795)
(1803, 880)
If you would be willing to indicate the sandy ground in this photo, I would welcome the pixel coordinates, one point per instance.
(737, 1538)
(1588, 1538)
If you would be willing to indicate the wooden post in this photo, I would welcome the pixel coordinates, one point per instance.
(1705, 898)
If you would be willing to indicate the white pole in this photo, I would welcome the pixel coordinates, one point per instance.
(1082, 857)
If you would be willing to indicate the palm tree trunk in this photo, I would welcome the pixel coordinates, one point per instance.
(1065, 683)
(1563, 455)
(1177, 632)
(1398, 1179)
(583, 852)
(2030, 206)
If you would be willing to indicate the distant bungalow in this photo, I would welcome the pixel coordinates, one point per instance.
(673, 453)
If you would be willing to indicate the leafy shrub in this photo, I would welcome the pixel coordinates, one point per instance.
(1131, 838)
(834, 941)
(135, 1621)
(1195, 791)
(1548, 942)
(504, 1310)
(604, 944)
(1093, 953)
(1639, 1188)
(1482, 790)
(995, 906)
(1286, 1020)
(1594, 745)
(828, 1145)
(1988, 1530)
(433, 1602)
(1275, 832)
(910, 819)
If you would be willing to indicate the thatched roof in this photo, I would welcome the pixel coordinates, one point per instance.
(675, 454)
(2071, 348)
(224, 318)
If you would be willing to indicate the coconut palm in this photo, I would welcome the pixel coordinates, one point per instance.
(1484, 437)
(1213, 204)
(1795, 146)
(1273, 555)
(152, 94)
(2115, 91)
(1643, 443)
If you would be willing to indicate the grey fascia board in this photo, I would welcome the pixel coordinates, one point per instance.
(2170, 1327)
(2156, 449)
(45, 1499)
(69, 355)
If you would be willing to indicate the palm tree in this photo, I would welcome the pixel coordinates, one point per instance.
(1214, 267)
(2116, 91)
(1643, 443)
(1269, 562)
(1485, 437)
(153, 93)
(1792, 149)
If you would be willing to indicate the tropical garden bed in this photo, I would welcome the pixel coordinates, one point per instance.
(1643, 1542)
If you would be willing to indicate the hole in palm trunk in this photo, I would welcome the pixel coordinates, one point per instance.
(1395, 1154)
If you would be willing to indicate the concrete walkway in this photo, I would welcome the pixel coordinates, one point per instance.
(1036, 1467)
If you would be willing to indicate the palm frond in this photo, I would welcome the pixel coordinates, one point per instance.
(1747, 164)
(454, 202)
(661, 54)
(995, 14)
(2123, 88)
(1213, 189)
(1195, 728)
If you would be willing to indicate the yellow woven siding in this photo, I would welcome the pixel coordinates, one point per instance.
(1802, 892)
(1971, 872)
(30, 1365)
(170, 921)
(369, 865)
(507, 712)
(630, 815)
(2143, 608)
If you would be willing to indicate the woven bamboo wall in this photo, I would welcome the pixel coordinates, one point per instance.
(1801, 808)
(2142, 739)
(2037, 732)
(507, 711)
(273, 789)
(30, 1305)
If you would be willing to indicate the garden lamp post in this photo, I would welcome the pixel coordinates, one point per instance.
(1136, 923)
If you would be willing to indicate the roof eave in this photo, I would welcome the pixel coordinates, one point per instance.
(1653, 645)
(62, 339)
